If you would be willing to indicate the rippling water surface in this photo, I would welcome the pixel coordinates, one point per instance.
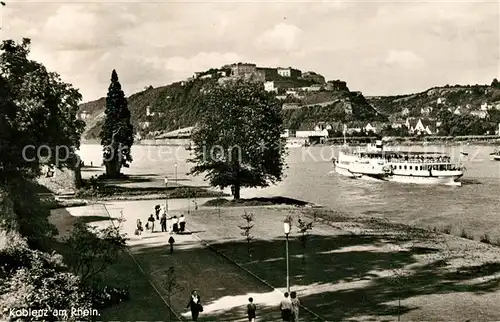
(474, 206)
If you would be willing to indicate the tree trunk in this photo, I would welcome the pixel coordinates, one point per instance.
(78, 176)
(113, 168)
(236, 191)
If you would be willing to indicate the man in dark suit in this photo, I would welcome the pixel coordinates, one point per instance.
(195, 305)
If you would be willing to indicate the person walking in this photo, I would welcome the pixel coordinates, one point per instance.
(295, 306)
(182, 223)
(171, 241)
(139, 229)
(157, 212)
(195, 305)
(151, 222)
(176, 224)
(163, 223)
(251, 309)
(286, 308)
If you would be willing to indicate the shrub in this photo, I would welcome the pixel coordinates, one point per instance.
(92, 251)
(106, 296)
(464, 234)
(33, 280)
(446, 230)
(485, 239)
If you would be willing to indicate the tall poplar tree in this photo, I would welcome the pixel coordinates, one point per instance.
(117, 134)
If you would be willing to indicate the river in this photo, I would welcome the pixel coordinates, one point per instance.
(474, 206)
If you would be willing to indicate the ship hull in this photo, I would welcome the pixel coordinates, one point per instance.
(449, 180)
(383, 169)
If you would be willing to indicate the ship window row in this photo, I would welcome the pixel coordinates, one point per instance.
(438, 167)
(406, 159)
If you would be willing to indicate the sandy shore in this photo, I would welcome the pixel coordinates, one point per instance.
(350, 268)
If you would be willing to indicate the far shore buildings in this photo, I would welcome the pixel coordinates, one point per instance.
(289, 72)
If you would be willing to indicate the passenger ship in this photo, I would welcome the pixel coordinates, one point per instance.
(399, 166)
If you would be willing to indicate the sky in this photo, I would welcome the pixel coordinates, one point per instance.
(377, 47)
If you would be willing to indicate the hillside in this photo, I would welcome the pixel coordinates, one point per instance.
(458, 99)
(342, 106)
(177, 106)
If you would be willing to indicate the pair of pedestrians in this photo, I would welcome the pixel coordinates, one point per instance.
(289, 307)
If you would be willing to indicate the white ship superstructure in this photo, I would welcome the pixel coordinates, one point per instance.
(400, 166)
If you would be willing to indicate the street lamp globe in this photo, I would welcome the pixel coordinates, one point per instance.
(166, 180)
(286, 227)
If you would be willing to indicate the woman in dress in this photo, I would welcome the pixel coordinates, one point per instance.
(139, 228)
(295, 306)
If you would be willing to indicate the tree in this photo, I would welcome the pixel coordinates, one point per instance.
(171, 287)
(304, 228)
(495, 83)
(38, 111)
(117, 135)
(238, 141)
(399, 278)
(246, 229)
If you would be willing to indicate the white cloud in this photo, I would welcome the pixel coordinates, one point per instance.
(162, 42)
(282, 36)
(404, 58)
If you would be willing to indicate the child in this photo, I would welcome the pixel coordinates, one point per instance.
(251, 308)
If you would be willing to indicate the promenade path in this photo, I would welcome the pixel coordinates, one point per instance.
(224, 287)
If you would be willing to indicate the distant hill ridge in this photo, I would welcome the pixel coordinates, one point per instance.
(308, 99)
(479, 100)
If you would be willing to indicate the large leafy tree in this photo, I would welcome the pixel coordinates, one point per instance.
(117, 135)
(38, 112)
(238, 139)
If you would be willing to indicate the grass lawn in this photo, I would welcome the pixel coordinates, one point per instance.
(361, 268)
(144, 304)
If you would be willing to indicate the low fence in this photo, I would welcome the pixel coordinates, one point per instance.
(173, 142)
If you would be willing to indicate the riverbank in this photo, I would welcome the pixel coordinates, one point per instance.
(363, 264)
(138, 187)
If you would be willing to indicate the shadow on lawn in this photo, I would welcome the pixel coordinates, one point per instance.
(92, 219)
(332, 261)
(257, 201)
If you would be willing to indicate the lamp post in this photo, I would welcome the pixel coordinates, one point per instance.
(175, 173)
(286, 228)
(166, 195)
